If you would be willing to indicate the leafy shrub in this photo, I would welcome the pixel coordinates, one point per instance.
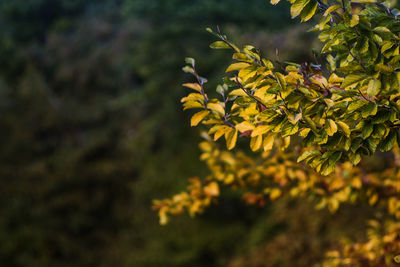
(313, 124)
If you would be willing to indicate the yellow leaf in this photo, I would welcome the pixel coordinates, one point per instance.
(309, 10)
(397, 259)
(353, 79)
(374, 86)
(244, 126)
(373, 199)
(212, 189)
(246, 73)
(211, 121)
(215, 128)
(269, 142)
(231, 138)
(261, 129)
(162, 214)
(193, 97)
(354, 20)
(260, 93)
(238, 92)
(345, 128)
(333, 205)
(275, 193)
(255, 143)
(194, 86)
(237, 66)
(285, 143)
(281, 80)
(297, 7)
(330, 127)
(205, 146)
(216, 107)
(304, 132)
(195, 208)
(219, 133)
(294, 118)
(198, 117)
(192, 104)
(335, 79)
(319, 80)
(331, 9)
(294, 77)
(356, 183)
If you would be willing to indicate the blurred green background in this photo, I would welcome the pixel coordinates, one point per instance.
(92, 130)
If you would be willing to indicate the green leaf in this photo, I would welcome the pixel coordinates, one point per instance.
(307, 154)
(355, 105)
(274, 2)
(370, 109)
(311, 123)
(188, 69)
(308, 12)
(381, 116)
(289, 129)
(331, 9)
(330, 127)
(382, 30)
(190, 61)
(388, 142)
(335, 157)
(297, 7)
(331, 61)
(220, 90)
(281, 80)
(355, 158)
(384, 68)
(379, 131)
(347, 144)
(219, 45)
(374, 87)
(371, 144)
(355, 144)
(386, 46)
(367, 130)
(327, 169)
(344, 127)
(352, 79)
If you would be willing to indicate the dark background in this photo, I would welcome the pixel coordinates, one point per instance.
(92, 130)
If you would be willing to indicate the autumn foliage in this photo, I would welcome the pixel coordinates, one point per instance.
(312, 125)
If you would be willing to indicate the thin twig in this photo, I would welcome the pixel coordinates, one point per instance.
(201, 82)
(251, 96)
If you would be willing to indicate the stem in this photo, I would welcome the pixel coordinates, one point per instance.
(284, 103)
(226, 121)
(247, 93)
(233, 48)
(202, 91)
(224, 39)
(363, 96)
